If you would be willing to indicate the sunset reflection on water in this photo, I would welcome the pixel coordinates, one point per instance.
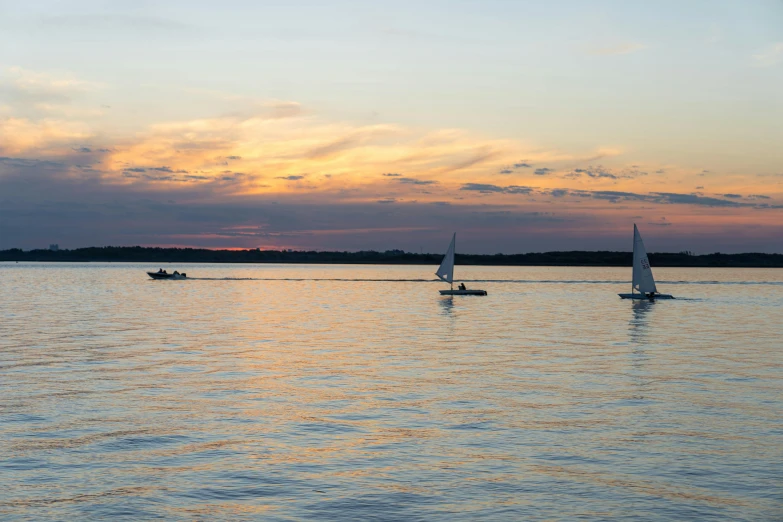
(289, 392)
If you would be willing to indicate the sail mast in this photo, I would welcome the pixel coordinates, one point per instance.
(635, 275)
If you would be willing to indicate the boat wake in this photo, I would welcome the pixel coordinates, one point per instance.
(503, 281)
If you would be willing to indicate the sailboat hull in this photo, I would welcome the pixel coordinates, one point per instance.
(463, 292)
(644, 297)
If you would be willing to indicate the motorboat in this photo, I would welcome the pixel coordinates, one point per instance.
(166, 275)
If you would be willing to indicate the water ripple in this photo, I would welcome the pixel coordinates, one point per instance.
(282, 392)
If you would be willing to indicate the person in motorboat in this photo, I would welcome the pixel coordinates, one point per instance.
(462, 286)
(176, 273)
(161, 271)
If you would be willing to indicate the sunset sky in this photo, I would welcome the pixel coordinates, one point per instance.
(349, 125)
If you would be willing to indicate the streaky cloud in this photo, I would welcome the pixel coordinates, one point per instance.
(482, 187)
(415, 181)
(769, 57)
(486, 188)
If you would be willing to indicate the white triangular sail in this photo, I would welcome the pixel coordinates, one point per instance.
(446, 268)
(642, 273)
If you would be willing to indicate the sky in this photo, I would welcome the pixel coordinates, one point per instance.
(524, 126)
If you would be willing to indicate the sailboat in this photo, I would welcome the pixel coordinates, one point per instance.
(446, 273)
(643, 284)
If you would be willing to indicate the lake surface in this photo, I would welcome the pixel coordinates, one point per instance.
(291, 392)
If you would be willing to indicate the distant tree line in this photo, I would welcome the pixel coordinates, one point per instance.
(156, 255)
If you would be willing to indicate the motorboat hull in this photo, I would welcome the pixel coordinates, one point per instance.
(156, 275)
(463, 292)
(646, 298)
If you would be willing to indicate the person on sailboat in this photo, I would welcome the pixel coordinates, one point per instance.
(462, 286)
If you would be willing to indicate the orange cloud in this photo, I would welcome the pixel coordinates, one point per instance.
(42, 138)
(281, 150)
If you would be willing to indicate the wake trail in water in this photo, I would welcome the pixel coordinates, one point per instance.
(505, 281)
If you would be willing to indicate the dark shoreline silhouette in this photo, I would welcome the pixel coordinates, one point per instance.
(390, 257)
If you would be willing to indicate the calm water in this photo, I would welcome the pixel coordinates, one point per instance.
(282, 392)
